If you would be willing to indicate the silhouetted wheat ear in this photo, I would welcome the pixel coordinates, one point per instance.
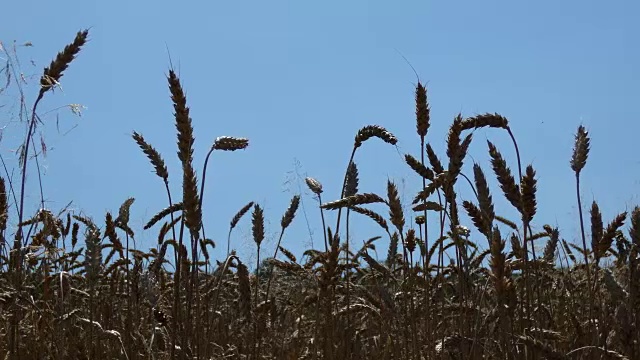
(506, 180)
(74, 234)
(410, 240)
(370, 131)
(497, 262)
(110, 228)
(438, 182)
(607, 238)
(191, 201)
(436, 165)
(634, 231)
(453, 138)
(314, 185)
(485, 201)
(528, 188)
(161, 215)
(396, 215)
(423, 118)
(4, 206)
(479, 219)
(351, 184)
(153, 155)
(429, 206)
(288, 216)
(190, 197)
(236, 218)
(417, 166)
(485, 120)
(456, 151)
(244, 290)
(54, 71)
(597, 225)
(229, 143)
(257, 222)
(354, 200)
(580, 150)
(183, 121)
(372, 215)
(288, 254)
(552, 245)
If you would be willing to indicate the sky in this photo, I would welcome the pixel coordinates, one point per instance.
(299, 78)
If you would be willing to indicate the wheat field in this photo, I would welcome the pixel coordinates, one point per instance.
(72, 287)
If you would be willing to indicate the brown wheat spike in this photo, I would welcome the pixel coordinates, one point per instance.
(86, 221)
(314, 185)
(516, 247)
(411, 240)
(436, 165)
(74, 234)
(123, 213)
(162, 214)
(634, 231)
(429, 206)
(288, 216)
(395, 208)
(456, 151)
(422, 111)
(240, 214)
(370, 131)
(190, 197)
(438, 182)
(479, 219)
(358, 199)
(153, 155)
(485, 201)
(453, 138)
(244, 290)
(580, 150)
(552, 244)
(597, 226)
(503, 173)
(417, 166)
(183, 121)
(4, 206)
(288, 254)
(372, 215)
(528, 196)
(607, 238)
(494, 120)
(54, 71)
(228, 143)
(257, 222)
(351, 183)
(497, 262)
(110, 230)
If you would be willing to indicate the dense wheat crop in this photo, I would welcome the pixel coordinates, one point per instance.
(74, 287)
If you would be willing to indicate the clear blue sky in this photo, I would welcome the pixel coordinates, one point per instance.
(300, 78)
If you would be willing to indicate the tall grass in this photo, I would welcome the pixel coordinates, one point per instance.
(73, 288)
